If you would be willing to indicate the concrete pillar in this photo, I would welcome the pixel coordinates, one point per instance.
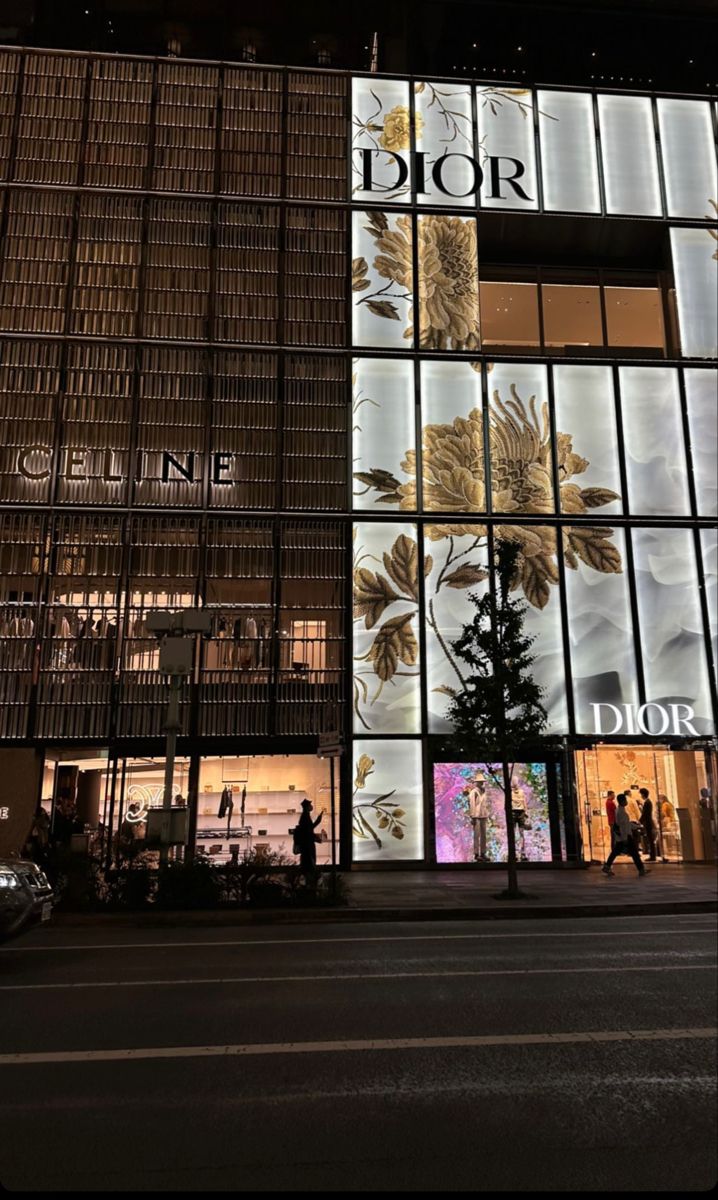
(20, 779)
(89, 789)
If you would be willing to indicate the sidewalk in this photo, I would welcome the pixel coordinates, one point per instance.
(466, 895)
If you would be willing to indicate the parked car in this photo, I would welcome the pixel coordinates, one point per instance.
(26, 896)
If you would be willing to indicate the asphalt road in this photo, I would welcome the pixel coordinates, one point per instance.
(540, 1055)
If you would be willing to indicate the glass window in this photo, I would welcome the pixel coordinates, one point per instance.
(587, 442)
(702, 402)
(387, 801)
(600, 629)
(445, 133)
(671, 624)
(452, 438)
(568, 152)
(380, 139)
(628, 149)
(505, 119)
(386, 645)
(709, 551)
(520, 439)
(689, 163)
(448, 283)
(634, 317)
(653, 435)
(382, 432)
(571, 315)
(382, 279)
(509, 316)
(461, 839)
(696, 273)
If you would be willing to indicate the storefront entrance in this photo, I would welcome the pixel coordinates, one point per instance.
(678, 784)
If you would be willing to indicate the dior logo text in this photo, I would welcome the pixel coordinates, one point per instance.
(632, 719)
(502, 172)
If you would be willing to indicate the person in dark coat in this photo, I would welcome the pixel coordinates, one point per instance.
(305, 842)
(649, 825)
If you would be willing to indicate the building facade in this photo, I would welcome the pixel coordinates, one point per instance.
(298, 347)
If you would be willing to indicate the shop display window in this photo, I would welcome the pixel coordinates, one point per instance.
(509, 316)
(571, 316)
(470, 817)
(634, 318)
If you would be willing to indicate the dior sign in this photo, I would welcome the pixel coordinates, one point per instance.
(632, 719)
(502, 171)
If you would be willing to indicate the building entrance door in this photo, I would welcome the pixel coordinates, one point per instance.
(677, 781)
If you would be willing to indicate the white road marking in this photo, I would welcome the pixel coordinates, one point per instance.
(426, 1043)
(421, 937)
(363, 977)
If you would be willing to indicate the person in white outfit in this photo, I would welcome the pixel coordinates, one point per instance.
(479, 815)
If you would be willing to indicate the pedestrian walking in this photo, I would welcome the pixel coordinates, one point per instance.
(611, 815)
(650, 829)
(305, 842)
(625, 839)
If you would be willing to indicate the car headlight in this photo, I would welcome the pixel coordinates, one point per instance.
(8, 879)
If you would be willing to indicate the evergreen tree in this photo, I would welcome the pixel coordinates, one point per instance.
(499, 708)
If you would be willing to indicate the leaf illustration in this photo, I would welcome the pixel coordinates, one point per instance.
(398, 812)
(369, 829)
(360, 269)
(394, 643)
(383, 308)
(428, 564)
(382, 481)
(445, 690)
(466, 576)
(594, 548)
(397, 832)
(537, 572)
(378, 222)
(594, 497)
(372, 594)
(403, 566)
(365, 767)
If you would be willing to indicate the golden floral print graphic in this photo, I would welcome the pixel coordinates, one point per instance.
(386, 815)
(521, 483)
(448, 277)
(396, 131)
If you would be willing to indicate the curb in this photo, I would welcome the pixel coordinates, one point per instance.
(213, 918)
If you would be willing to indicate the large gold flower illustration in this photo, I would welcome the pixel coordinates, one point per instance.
(453, 478)
(448, 276)
(448, 284)
(396, 133)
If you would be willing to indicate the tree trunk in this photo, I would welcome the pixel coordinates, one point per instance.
(513, 889)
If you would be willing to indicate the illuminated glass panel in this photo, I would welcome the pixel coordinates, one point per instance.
(386, 639)
(586, 414)
(689, 161)
(448, 282)
(459, 839)
(696, 274)
(520, 439)
(505, 119)
(452, 438)
(653, 437)
(387, 801)
(709, 552)
(382, 278)
(628, 150)
(600, 629)
(380, 139)
(455, 559)
(382, 433)
(670, 622)
(444, 135)
(702, 403)
(568, 152)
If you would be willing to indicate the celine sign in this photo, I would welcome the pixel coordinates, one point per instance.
(34, 462)
(502, 172)
(632, 719)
